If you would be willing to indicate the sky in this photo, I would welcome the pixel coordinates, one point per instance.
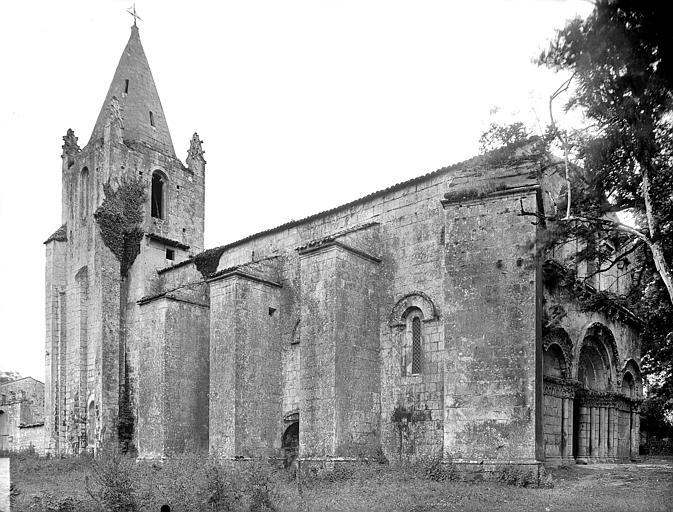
(302, 106)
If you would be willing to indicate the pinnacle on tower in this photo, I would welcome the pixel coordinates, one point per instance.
(140, 108)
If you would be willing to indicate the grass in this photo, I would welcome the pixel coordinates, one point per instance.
(196, 483)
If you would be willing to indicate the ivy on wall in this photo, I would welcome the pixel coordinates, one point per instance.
(120, 219)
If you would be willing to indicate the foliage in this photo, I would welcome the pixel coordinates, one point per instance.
(521, 476)
(114, 483)
(399, 486)
(498, 136)
(120, 220)
(49, 502)
(621, 60)
(207, 261)
(438, 470)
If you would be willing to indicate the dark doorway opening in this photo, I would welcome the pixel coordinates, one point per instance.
(291, 443)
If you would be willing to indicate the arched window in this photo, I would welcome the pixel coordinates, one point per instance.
(416, 345)
(412, 363)
(84, 193)
(158, 195)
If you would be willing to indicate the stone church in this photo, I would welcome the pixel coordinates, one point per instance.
(418, 320)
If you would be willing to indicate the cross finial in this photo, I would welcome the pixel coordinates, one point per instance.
(133, 13)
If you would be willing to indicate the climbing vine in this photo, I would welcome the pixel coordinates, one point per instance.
(208, 261)
(120, 218)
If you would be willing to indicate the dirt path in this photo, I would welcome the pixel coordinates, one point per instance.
(646, 486)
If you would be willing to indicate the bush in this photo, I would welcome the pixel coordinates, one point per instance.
(51, 503)
(435, 469)
(113, 483)
(187, 483)
(520, 476)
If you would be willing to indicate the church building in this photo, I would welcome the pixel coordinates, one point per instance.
(421, 319)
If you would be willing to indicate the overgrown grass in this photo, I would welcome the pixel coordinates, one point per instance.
(197, 483)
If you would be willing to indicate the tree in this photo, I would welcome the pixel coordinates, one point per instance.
(621, 63)
(621, 60)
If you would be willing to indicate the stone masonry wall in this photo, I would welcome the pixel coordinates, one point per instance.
(187, 376)
(339, 375)
(411, 243)
(31, 438)
(492, 373)
(358, 384)
(245, 357)
(152, 401)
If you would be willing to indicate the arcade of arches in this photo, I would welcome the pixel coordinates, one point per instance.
(591, 401)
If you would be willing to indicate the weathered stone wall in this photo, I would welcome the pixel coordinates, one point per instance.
(246, 384)
(172, 393)
(187, 375)
(152, 403)
(54, 283)
(10, 419)
(493, 370)
(339, 376)
(553, 433)
(32, 437)
(93, 332)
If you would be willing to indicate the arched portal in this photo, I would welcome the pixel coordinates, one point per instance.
(628, 417)
(558, 397)
(290, 443)
(604, 427)
(4, 431)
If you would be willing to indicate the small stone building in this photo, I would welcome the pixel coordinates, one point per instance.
(418, 320)
(22, 415)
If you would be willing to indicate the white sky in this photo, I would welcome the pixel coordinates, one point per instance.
(302, 106)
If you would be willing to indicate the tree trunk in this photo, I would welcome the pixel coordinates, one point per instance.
(662, 267)
(655, 244)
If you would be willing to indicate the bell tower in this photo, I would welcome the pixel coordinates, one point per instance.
(129, 208)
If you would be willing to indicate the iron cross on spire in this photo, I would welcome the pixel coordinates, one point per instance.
(133, 13)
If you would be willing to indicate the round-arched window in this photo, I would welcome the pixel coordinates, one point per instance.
(158, 205)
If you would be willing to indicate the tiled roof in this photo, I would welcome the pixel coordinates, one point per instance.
(60, 235)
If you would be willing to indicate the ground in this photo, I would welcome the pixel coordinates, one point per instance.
(646, 486)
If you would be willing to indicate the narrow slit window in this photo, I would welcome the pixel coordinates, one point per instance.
(151, 118)
(416, 345)
(158, 190)
(126, 86)
(84, 193)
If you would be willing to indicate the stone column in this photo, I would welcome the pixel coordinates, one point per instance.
(583, 435)
(603, 435)
(594, 433)
(635, 434)
(570, 437)
(613, 425)
(564, 428)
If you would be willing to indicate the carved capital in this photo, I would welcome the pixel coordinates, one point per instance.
(560, 387)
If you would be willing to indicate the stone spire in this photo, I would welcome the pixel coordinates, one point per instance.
(138, 100)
